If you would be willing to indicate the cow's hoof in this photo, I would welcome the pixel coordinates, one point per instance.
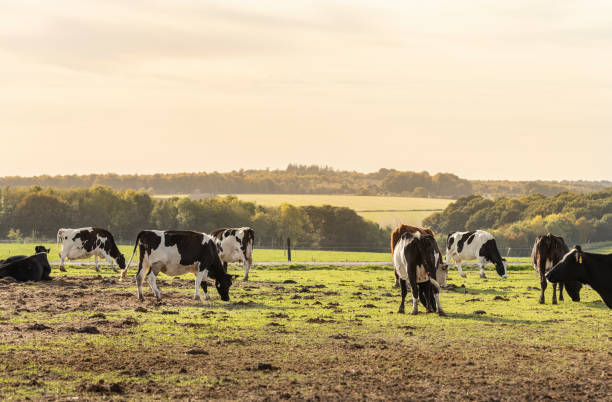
(483, 276)
(141, 298)
(197, 298)
(441, 313)
(62, 269)
(207, 297)
(504, 276)
(414, 312)
(463, 275)
(246, 279)
(554, 302)
(401, 310)
(541, 301)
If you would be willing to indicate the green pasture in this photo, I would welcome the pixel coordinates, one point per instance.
(265, 255)
(323, 319)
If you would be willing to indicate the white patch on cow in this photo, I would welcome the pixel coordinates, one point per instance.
(438, 305)
(422, 275)
(231, 250)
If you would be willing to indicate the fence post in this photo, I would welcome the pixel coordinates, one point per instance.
(288, 249)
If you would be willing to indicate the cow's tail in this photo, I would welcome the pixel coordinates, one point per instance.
(124, 272)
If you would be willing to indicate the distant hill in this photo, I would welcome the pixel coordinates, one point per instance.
(300, 179)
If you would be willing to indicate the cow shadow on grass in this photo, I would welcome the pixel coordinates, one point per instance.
(472, 291)
(490, 318)
(597, 304)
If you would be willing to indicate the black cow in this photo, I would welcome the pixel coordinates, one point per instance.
(547, 251)
(176, 252)
(23, 268)
(591, 269)
(415, 256)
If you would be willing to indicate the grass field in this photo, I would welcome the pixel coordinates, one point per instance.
(300, 332)
(266, 255)
(386, 211)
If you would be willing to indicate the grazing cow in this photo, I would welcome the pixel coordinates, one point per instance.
(414, 258)
(176, 252)
(397, 234)
(235, 245)
(478, 245)
(591, 269)
(23, 268)
(547, 252)
(82, 243)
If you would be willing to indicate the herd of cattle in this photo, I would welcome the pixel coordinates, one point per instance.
(417, 260)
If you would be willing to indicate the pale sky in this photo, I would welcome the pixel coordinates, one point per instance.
(483, 89)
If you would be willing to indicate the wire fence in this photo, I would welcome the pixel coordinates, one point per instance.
(506, 251)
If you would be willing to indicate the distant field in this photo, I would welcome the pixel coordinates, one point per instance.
(386, 211)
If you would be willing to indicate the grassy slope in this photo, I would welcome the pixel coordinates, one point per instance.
(498, 353)
(386, 211)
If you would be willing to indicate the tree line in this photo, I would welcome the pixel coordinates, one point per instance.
(516, 222)
(37, 213)
(302, 179)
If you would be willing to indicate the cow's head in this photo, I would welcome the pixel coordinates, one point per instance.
(502, 268)
(571, 271)
(223, 283)
(41, 249)
(121, 261)
(442, 274)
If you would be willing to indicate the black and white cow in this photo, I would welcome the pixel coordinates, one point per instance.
(235, 245)
(177, 252)
(23, 268)
(591, 269)
(415, 259)
(478, 245)
(82, 243)
(547, 251)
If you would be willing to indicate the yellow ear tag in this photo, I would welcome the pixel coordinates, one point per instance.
(580, 260)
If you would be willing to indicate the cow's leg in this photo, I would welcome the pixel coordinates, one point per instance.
(554, 299)
(205, 289)
(111, 263)
(560, 291)
(201, 274)
(96, 262)
(225, 267)
(481, 263)
(397, 279)
(458, 262)
(247, 267)
(140, 279)
(61, 267)
(414, 286)
(152, 279)
(404, 287)
(438, 305)
(543, 284)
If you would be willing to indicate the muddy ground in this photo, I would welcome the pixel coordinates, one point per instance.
(89, 337)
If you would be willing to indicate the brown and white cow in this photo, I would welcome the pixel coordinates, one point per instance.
(78, 244)
(235, 245)
(547, 251)
(415, 258)
(396, 236)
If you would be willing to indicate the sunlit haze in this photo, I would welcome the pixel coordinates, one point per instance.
(482, 89)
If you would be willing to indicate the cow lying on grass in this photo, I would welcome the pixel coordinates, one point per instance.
(591, 269)
(23, 268)
(177, 252)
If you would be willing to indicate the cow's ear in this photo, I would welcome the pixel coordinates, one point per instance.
(579, 254)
